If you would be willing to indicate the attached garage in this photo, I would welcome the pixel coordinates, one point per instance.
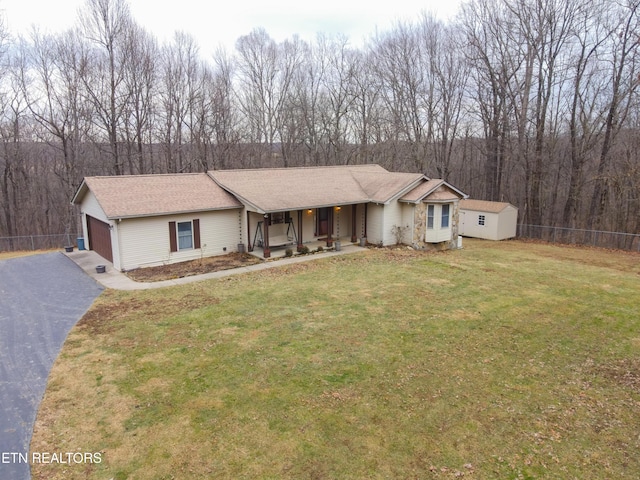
(138, 221)
(488, 220)
(99, 235)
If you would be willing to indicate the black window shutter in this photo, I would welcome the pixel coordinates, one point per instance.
(173, 240)
(196, 233)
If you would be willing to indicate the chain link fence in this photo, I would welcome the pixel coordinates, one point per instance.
(576, 236)
(36, 242)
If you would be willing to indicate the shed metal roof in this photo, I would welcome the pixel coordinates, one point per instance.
(484, 205)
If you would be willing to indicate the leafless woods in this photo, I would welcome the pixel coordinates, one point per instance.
(534, 102)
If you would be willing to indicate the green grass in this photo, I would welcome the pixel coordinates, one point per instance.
(501, 360)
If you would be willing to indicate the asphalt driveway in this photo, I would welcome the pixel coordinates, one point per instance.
(41, 298)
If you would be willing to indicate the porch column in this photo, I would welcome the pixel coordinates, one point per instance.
(266, 251)
(249, 246)
(354, 236)
(299, 230)
(329, 227)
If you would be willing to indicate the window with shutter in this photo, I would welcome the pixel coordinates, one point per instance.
(184, 235)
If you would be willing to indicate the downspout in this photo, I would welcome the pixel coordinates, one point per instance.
(249, 246)
(117, 227)
(366, 215)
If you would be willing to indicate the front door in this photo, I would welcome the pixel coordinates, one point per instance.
(322, 222)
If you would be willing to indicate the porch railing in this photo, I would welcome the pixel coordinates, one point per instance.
(577, 236)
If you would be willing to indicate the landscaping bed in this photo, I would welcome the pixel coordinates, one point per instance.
(193, 267)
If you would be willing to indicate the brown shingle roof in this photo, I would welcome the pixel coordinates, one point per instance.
(484, 205)
(435, 190)
(265, 190)
(381, 187)
(281, 189)
(145, 195)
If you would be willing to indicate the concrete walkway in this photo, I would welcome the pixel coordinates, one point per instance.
(112, 278)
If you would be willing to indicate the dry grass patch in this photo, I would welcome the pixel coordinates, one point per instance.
(25, 253)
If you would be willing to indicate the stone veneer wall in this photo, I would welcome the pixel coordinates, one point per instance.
(420, 226)
(455, 223)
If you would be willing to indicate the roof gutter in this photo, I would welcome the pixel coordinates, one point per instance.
(166, 214)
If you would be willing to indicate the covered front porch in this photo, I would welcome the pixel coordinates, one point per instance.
(273, 233)
(345, 243)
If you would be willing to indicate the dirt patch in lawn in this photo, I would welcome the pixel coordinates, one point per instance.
(193, 267)
(625, 372)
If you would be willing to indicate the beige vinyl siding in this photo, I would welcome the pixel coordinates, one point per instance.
(342, 222)
(254, 218)
(308, 225)
(393, 217)
(507, 223)
(91, 207)
(144, 241)
(375, 223)
(407, 222)
(360, 221)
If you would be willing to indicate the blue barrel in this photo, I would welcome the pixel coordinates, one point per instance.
(80, 241)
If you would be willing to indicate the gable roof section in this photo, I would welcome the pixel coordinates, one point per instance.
(484, 205)
(151, 195)
(282, 189)
(435, 190)
(382, 187)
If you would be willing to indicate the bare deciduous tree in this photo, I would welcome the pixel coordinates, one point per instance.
(105, 25)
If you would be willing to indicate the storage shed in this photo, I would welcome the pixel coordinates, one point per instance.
(488, 220)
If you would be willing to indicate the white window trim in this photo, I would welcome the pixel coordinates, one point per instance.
(432, 217)
(192, 247)
(437, 216)
(448, 215)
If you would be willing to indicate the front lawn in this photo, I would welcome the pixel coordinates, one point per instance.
(501, 360)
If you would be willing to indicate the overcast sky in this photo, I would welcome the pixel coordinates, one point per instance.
(221, 23)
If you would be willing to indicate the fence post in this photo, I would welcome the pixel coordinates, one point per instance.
(32, 244)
